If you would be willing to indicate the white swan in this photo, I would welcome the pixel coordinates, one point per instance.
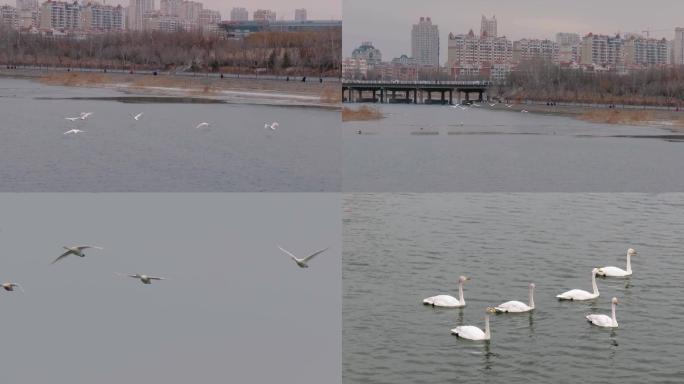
(137, 117)
(72, 118)
(302, 263)
(491, 105)
(271, 126)
(202, 125)
(145, 279)
(472, 332)
(603, 320)
(76, 250)
(10, 287)
(578, 294)
(524, 111)
(73, 131)
(85, 115)
(517, 306)
(449, 301)
(509, 105)
(618, 272)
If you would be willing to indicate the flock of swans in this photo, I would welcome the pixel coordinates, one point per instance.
(471, 332)
(85, 115)
(79, 250)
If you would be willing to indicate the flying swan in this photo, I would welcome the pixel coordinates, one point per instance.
(9, 287)
(145, 279)
(449, 301)
(76, 250)
(302, 263)
(272, 126)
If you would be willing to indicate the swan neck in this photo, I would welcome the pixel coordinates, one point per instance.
(460, 293)
(629, 263)
(593, 283)
(531, 297)
(488, 334)
(614, 318)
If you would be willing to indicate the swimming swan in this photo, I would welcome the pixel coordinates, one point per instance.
(618, 272)
(603, 320)
(472, 332)
(517, 306)
(578, 294)
(449, 301)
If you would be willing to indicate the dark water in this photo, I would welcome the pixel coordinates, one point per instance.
(163, 152)
(426, 149)
(399, 249)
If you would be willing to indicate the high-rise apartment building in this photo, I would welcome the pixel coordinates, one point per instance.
(646, 52)
(209, 17)
(239, 14)
(300, 14)
(602, 50)
(190, 11)
(471, 49)
(264, 15)
(425, 42)
(678, 47)
(137, 10)
(535, 49)
(567, 39)
(488, 27)
(9, 16)
(60, 15)
(170, 7)
(98, 17)
(27, 4)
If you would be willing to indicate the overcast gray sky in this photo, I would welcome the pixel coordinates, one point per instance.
(387, 23)
(235, 308)
(316, 9)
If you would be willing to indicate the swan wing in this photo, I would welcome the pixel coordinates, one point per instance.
(82, 247)
(288, 252)
(513, 306)
(469, 332)
(311, 256)
(156, 278)
(63, 255)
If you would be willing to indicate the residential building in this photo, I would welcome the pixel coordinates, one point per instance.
(137, 9)
(367, 52)
(190, 11)
(471, 49)
(9, 16)
(535, 49)
(602, 50)
(678, 47)
(488, 27)
(264, 15)
(239, 14)
(98, 17)
(425, 42)
(641, 52)
(170, 7)
(354, 68)
(155, 21)
(300, 14)
(209, 17)
(60, 15)
(29, 18)
(27, 4)
(567, 39)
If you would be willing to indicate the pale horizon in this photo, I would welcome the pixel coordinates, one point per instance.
(390, 31)
(316, 10)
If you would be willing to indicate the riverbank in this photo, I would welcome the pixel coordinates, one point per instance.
(231, 89)
(645, 116)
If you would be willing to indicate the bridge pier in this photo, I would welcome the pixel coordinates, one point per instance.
(382, 95)
(451, 97)
(415, 96)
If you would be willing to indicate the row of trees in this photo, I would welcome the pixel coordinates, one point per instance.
(542, 80)
(299, 53)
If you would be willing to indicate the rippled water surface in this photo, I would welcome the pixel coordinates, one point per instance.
(423, 148)
(399, 249)
(162, 152)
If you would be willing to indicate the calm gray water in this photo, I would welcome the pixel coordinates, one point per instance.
(162, 152)
(399, 249)
(422, 148)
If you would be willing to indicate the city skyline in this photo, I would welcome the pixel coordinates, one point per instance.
(328, 9)
(390, 32)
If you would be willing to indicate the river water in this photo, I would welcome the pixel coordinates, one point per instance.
(162, 152)
(423, 148)
(399, 249)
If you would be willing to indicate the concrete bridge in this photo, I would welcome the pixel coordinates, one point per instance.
(413, 91)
